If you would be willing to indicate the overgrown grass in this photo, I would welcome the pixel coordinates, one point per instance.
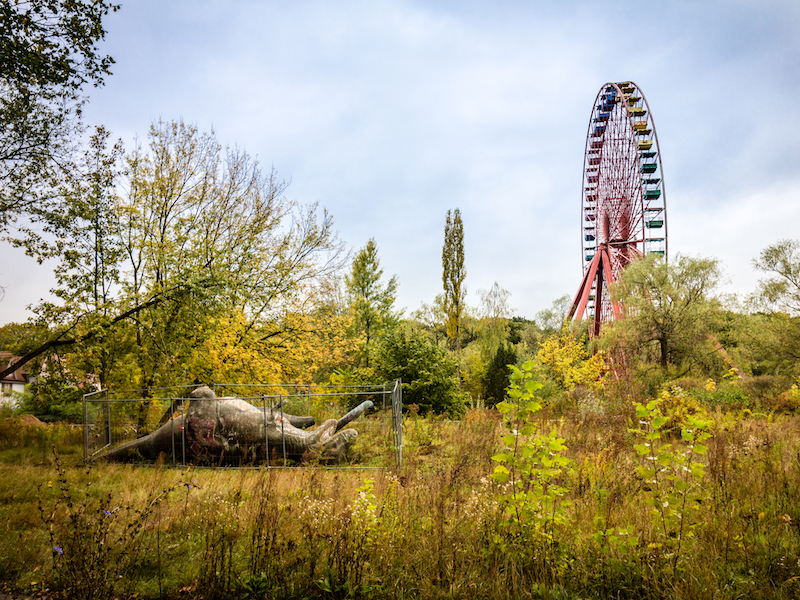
(435, 529)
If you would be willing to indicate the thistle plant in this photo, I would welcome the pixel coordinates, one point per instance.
(94, 542)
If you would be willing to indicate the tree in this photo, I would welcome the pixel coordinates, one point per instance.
(669, 309)
(428, 372)
(453, 275)
(493, 327)
(48, 54)
(205, 241)
(772, 334)
(89, 244)
(432, 319)
(371, 302)
(498, 373)
(781, 291)
(566, 362)
(551, 320)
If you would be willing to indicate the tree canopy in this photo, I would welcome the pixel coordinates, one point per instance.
(453, 274)
(197, 239)
(48, 54)
(669, 309)
(371, 301)
(780, 291)
(428, 372)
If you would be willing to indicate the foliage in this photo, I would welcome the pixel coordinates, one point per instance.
(532, 466)
(453, 275)
(669, 311)
(493, 325)
(48, 54)
(371, 302)
(18, 338)
(436, 528)
(551, 320)
(94, 543)
(781, 291)
(674, 474)
(498, 374)
(427, 372)
(201, 247)
(432, 319)
(567, 362)
(679, 408)
(767, 328)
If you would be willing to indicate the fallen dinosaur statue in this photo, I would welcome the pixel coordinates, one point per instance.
(227, 430)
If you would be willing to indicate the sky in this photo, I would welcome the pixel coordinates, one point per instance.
(389, 113)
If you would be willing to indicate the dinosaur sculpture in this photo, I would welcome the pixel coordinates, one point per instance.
(224, 430)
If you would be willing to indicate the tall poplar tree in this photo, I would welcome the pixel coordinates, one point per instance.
(453, 275)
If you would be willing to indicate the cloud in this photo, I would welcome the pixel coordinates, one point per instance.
(389, 113)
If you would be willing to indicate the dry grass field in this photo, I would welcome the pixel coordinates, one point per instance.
(719, 523)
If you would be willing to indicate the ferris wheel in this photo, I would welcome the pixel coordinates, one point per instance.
(623, 206)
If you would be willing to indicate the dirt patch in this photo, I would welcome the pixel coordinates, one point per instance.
(30, 421)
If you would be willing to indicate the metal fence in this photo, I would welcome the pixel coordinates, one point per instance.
(111, 419)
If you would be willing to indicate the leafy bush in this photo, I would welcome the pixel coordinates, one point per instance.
(766, 386)
(679, 407)
(567, 362)
(498, 374)
(531, 469)
(428, 372)
(673, 474)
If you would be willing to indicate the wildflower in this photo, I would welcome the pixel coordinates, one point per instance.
(58, 550)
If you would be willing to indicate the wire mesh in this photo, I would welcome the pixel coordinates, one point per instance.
(112, 419)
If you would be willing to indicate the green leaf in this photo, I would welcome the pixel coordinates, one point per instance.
(658, 422)
(500, 474)
(502, 457)
(641, 449)
(531, 386)
(504, 407)
(664, 458)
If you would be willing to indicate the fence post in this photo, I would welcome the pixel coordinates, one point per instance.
(183, 432)
(383, 411)
(172, 427)
(397, 417)
(108, 420)
(283, 435)
(85, 431)
(266, 434)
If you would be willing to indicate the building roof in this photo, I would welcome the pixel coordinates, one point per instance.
(18, 376)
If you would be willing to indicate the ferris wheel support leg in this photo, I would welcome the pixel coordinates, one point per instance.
(594, 329)
(578, 307)
(611, 280)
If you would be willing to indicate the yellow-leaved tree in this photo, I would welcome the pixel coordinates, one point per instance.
(567, 362)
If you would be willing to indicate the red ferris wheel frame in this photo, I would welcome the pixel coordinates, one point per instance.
(623, 206)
